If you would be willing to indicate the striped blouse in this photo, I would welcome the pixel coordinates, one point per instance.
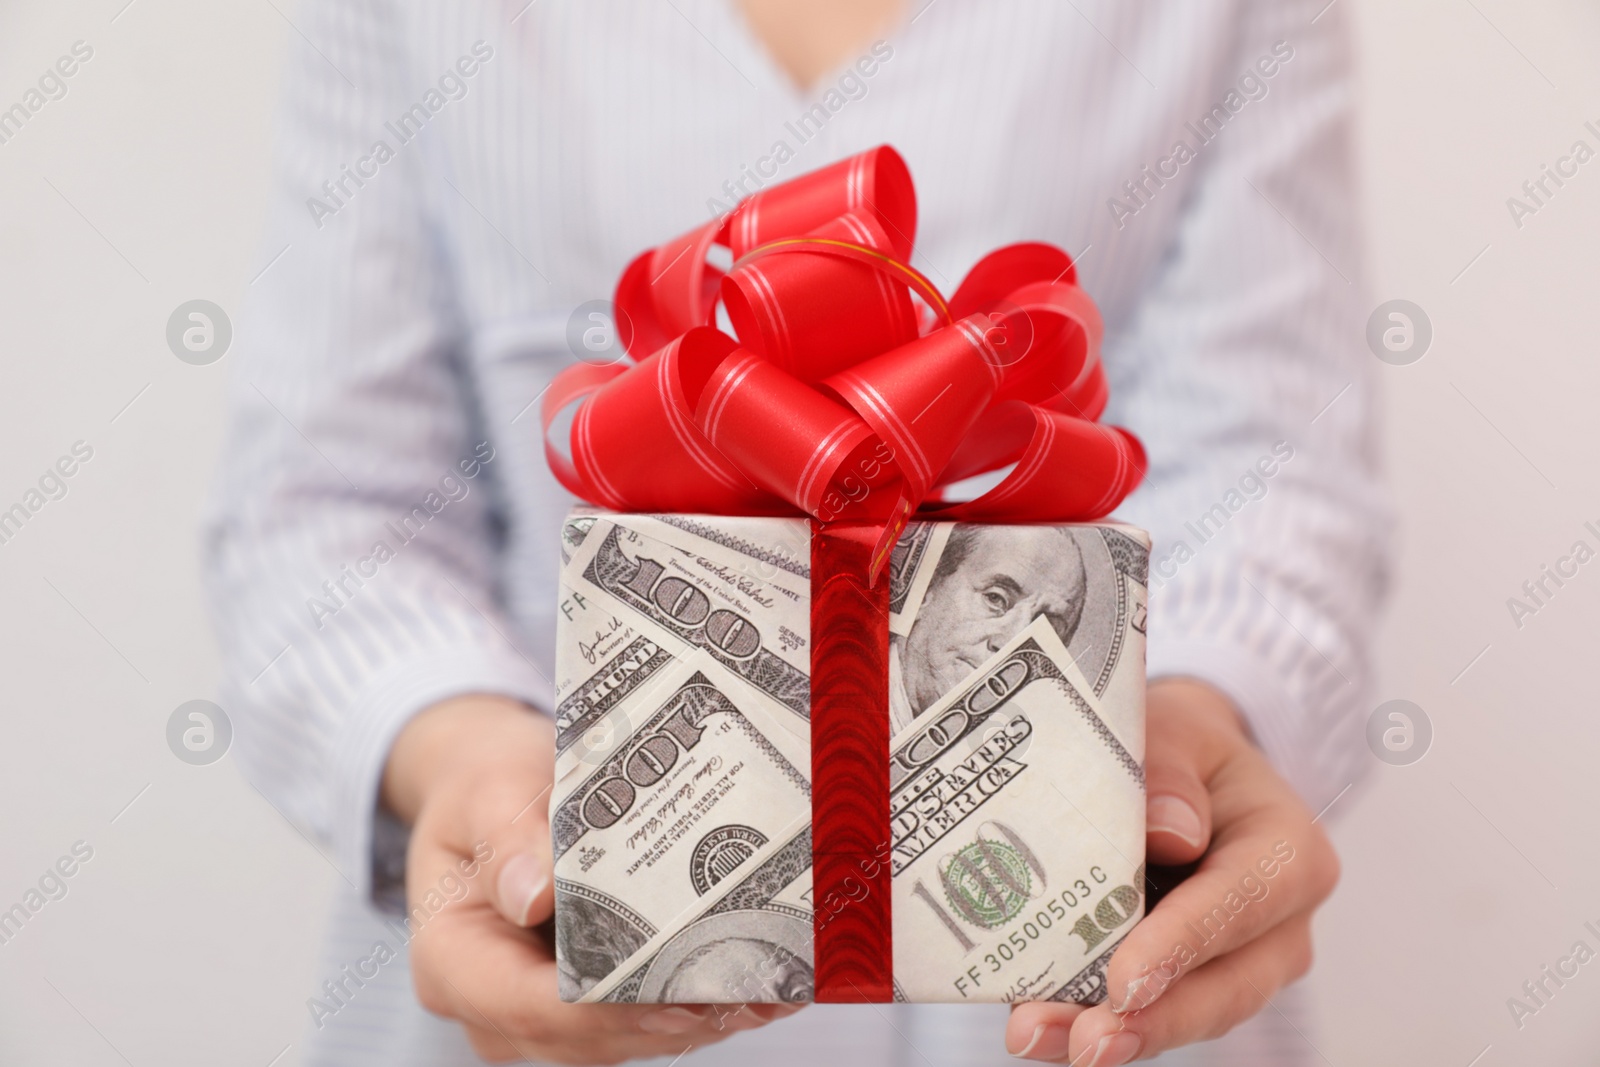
(457, 182)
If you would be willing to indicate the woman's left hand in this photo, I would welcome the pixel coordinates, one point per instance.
(1215, 949)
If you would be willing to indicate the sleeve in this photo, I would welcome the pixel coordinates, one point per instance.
(350, 546)
(1243, 369)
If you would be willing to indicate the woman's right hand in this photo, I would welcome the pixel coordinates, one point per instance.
(472, 775)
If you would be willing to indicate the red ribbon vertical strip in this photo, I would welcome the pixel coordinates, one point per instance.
(850, 768)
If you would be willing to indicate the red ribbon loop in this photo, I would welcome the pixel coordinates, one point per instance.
(788, 299)
(875, 183)
(835, 400)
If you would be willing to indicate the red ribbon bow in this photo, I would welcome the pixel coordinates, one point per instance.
(840, 399)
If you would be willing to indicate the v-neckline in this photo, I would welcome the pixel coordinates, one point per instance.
(754, 47)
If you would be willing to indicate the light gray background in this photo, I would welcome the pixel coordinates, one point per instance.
(189, 937)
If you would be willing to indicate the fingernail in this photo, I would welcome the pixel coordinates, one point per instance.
(741, 1018)
(1115, 1049)
(1141, 992)
(670, 1021)
(1172, 815)
(776, 1010)
(1048, 1043)
(521, 880)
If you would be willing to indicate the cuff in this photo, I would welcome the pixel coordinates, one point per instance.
(387, 704)
(1255, 689)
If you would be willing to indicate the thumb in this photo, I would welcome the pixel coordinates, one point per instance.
(1178, 811)
(520, 869)
(1177, 824)
(523, 890)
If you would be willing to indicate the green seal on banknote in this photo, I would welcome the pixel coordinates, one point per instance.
(987, 882)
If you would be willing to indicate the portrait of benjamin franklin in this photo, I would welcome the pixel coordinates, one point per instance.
(739, 969)
(756, 956)
(591, 942)
(988, 585)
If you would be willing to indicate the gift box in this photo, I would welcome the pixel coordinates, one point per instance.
(1010, 838)
(830, 727)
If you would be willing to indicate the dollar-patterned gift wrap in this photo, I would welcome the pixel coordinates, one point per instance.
(682, 810)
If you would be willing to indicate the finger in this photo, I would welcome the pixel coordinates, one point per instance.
(1268, 863)
(1210, 1002)
(736, 1017)
(475, 968)
(1041, 1031)
(773, 1012)
(491, 1046)
(472, 966)
(494, 1045)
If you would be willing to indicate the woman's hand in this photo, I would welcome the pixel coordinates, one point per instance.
(1213, 951)
(473, 775)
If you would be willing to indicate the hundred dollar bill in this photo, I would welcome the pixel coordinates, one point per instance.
(767, 549)
(574, 530)
(919, 543)
(698, 786)
(958, 591)
(754, 944)
(1119, 683)
(773, 550)
(622, 586)
(1016, 814)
